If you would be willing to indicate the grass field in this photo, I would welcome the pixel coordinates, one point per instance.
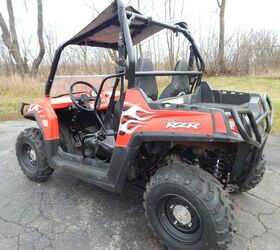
(13, 91)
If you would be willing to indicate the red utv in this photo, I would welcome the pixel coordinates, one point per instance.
(184, 147)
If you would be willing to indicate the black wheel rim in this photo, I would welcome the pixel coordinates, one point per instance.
(29, 157)
(179, 218)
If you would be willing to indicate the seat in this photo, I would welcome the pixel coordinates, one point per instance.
(202, 94)
(205, 92)
(179, 83)
(147, 83)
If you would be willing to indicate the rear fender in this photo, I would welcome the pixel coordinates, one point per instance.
(139, 122)
(45, 116)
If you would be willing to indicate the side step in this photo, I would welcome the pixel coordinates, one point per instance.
(109, 175)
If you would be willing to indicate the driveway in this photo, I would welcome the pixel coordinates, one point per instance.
(66, 213)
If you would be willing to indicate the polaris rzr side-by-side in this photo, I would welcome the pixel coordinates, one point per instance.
(186, 147)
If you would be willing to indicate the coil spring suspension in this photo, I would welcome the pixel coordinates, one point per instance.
(220, 171)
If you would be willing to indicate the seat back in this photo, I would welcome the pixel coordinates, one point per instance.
(179, 83)
(205, 92)
(147, 83)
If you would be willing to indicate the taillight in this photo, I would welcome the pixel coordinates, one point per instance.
(220, 123)
(233, 125)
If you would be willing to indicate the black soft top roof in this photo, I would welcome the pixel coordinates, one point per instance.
(104, 30)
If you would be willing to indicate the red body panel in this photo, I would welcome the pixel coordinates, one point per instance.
(47, 118)
(220, 123)
(138, 117)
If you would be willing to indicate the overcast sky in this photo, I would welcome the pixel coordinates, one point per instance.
(67, 17)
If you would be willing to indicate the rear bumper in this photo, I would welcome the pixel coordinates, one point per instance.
(258, 139)
(243, 168)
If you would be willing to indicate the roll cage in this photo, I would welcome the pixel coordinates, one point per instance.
(127, 27)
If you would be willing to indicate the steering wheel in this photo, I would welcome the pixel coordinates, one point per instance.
(82, 101)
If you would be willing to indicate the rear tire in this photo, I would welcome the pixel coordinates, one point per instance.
(187, 209)
(252, 181)
(31, 155)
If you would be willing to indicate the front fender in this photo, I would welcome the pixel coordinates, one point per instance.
(45, 116)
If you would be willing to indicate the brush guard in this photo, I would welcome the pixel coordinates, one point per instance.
(258, 139)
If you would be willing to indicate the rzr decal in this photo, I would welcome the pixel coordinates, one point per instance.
(186, 125)
(133, 117)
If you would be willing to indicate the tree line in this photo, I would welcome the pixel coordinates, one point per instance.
(240, 53)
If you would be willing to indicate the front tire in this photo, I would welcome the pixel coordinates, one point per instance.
(187, 209)
(31, 155)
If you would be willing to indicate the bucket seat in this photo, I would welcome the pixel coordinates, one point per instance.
(179, 83)
(147, 83)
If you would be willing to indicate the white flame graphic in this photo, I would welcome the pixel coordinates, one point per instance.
(132, 113)
(124, 126)
(38, 108)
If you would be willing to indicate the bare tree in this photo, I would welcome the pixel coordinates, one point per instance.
(51, 43)
(169, 34)
(9, 36)
(221, 54)
(7, 66)
(173, 11)
(39, 58)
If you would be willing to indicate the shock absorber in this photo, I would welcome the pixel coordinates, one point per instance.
(221, 172)
(218, 163)
(219, 169)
